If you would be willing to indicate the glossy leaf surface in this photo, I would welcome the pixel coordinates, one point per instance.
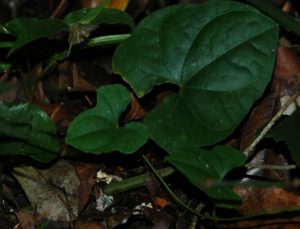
(206, 170)
(103, 16)
(98, 131)
(27, 130)
(220, 54)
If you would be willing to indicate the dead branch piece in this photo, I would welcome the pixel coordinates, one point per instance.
(265, 166)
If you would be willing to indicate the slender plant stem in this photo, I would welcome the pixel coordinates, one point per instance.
(267, 128)
(6, 44)
(106, 40)
(134, 182)
(97, 41)
(175, 197)
(278, 15)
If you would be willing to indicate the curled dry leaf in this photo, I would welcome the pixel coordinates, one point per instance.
(136, 110)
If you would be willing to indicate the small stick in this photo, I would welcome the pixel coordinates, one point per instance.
(265, 166)
(267, 128)
(58, 9)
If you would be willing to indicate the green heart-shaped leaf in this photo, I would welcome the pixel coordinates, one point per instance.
(27, 130)
(206, 169)
(220, 54)
(97, 130)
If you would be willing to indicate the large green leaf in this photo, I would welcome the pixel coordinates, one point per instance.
(287, 130)
(206, 170)
(27, 30)
(97, 130)
(27, 130)
(221, 55)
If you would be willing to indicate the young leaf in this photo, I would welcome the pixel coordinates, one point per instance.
(27, 30)
(27, 130)
(97, 130)
(104, 16)
(221, 55)
(207, 169)
(287, 130)
(83, 22)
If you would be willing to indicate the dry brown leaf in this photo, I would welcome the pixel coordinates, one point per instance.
(260, 116)
(65, 76)
(70, 78)
(136, 110)
(88, 224)
(86, 173)
(285, 81)
(287, 69)
(80, 84)
(256, 200)
(61, 115)
(26, 220)
(116, 4)
(54, 192)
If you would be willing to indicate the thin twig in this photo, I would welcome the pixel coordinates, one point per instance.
(267, 128)
(266, 166)
(58, 9)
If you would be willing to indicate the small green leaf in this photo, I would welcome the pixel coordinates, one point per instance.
(83, 22)
(97, 130)
(27, 30)
(103, 16)
(287, 130)
(93, 13)
(206, 170)
(219, 53)
(27, 130)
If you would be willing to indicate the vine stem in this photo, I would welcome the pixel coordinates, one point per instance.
(169, 190)
(267, 128)
(214, 218)
(106, 40)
